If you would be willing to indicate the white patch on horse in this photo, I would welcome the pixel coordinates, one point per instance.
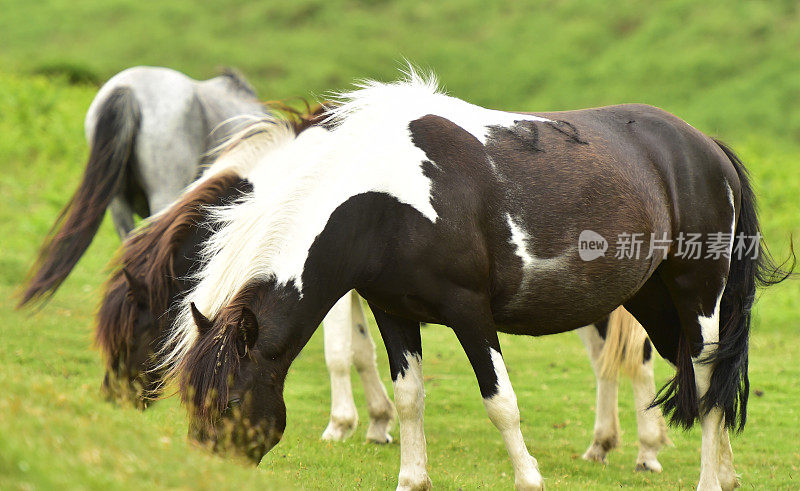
(531, 265)
(409, 399)
(504, 414)
(733, 221)
(711, 423)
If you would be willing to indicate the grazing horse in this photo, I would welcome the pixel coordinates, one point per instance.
(154, 269)
(439, 211)
(150, 130)
(135, 311)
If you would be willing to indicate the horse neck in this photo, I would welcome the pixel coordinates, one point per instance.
(335, 265)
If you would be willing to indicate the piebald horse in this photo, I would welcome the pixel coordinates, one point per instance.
(155, 265)
(439, 211)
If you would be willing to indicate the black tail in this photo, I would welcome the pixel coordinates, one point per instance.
(730, 385)
(112, 146)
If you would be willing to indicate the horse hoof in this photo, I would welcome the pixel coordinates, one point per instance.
(384, 440)
(729, 482)
(378, 431)
(595, 454)
(651, 466)
(338, 432)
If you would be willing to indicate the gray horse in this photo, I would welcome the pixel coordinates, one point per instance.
(150, 131)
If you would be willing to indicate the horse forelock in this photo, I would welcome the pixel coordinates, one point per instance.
(206, 369)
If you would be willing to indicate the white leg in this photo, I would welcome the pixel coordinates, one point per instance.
(338, 331)
(379, 406)
(606, 423)
(650, 422)
(727, 474)
(409, 397)
(711, 423)
(504, 413)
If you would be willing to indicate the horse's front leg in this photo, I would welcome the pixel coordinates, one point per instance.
(404, 347)
(476, 333)
(338, 355)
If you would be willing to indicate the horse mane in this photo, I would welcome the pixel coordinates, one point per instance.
(204, 372)
(149, 256)
(239, 82)
(301, 120)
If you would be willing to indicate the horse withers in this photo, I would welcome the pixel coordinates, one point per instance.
(439, 211)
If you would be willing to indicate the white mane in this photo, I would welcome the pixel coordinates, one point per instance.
(301, 182)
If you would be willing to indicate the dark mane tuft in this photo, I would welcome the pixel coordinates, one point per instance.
(150, 254)
(239, 82)
(214, 358)
(300, 120)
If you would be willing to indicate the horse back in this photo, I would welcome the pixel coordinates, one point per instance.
(521, 202)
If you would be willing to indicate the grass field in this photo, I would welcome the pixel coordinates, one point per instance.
(729, 68)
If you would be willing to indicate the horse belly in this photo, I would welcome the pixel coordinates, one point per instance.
(568, 297)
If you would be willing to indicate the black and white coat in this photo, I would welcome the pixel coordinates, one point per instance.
(436, 210)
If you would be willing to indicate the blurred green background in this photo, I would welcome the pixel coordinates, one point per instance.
(731, 69)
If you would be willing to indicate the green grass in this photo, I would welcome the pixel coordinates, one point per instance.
(728, 68)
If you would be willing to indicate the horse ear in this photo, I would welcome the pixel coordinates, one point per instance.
(202, 322)
(136, 287)
(248, 328)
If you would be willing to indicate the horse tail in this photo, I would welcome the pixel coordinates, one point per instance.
(730, 386)
(623, 350)
(111, 151)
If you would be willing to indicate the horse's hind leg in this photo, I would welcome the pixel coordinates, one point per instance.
(650, 423)
(606, 423)
(711, 422)
(379, 406)
(122, 216)
(338, 352)
(697, 293)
